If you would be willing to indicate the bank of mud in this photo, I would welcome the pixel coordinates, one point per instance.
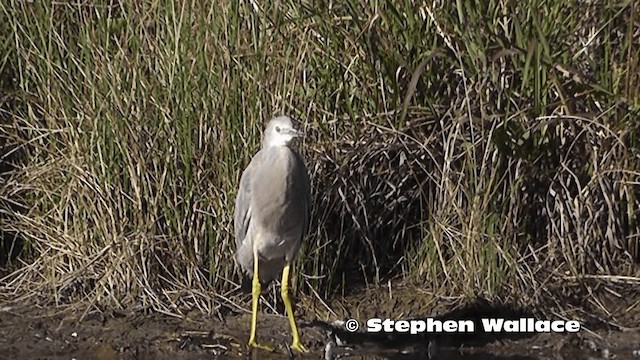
(39, 333)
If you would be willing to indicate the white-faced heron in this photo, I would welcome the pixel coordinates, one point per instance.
(272, 215)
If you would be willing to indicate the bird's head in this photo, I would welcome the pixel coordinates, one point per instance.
(280, 131)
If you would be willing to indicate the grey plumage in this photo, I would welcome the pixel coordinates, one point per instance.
(272, 204)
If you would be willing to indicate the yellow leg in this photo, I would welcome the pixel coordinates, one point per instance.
(255, 292)
(296, 345)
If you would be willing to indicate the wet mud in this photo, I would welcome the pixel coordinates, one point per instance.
(36, 333)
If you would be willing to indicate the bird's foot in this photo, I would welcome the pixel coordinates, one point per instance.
(297, 346)
(254, 345)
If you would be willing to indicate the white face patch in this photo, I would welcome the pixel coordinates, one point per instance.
(280, 132)
(277, 139)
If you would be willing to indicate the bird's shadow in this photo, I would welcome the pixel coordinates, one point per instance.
(397, 345)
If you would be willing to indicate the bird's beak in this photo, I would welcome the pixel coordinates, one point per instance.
(296, 133)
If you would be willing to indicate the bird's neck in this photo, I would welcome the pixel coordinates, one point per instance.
(276, 144)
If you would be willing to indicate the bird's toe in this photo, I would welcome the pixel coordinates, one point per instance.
(297, 346)
(255, 345)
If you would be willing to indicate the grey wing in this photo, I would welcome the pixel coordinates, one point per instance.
(242, 214)
(306, 190)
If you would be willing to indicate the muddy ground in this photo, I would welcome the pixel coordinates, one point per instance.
(35, 333)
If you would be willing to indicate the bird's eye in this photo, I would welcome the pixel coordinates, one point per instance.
(278, 128)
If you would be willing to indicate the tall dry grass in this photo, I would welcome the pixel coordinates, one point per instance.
(487, 149)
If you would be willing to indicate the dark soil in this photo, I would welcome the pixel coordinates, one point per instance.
(35, 333)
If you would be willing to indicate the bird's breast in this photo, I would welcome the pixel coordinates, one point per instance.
(279, 199)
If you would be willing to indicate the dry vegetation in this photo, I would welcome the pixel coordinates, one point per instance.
(487, 148)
